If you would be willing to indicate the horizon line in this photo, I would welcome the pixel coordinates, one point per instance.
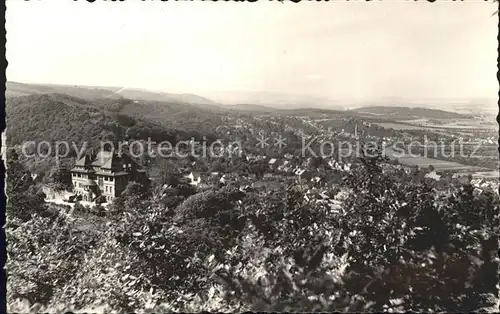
(288, 93)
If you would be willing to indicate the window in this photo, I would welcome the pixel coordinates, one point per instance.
(106, 188)
(111, 179)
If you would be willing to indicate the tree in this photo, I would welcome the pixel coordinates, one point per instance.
(133, 194)
(24, 199)
(59, 178)
(216, 167)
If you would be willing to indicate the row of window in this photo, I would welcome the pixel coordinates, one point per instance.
(86, 198)
(86, 176)
(87, 188)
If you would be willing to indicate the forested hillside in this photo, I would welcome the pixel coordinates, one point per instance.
(14, 89)
(58, 117)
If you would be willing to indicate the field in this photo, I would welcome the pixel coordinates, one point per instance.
(487, 175)
(478, 124)
(424, 162)
(440, 124)
(399, 126)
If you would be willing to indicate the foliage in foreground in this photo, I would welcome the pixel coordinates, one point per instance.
(395, 245)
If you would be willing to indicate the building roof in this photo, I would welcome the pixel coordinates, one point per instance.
(433, 175)
(82, 162)
(106, 160)
(300, 172)
(195, 175)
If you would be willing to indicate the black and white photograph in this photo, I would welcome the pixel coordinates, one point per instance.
(265, 156)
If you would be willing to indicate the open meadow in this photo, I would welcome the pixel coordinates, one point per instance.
(424, 162)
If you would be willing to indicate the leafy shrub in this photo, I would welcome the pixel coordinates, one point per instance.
(397, 244)
(98, 210)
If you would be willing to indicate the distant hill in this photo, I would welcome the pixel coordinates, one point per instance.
(183, 111)
(309, 112)
(251, 108)
(476, 107)
(14, 89)
(275, 100)
(402, 113)
(141, 94)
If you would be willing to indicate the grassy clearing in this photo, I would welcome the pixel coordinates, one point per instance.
(424, 162)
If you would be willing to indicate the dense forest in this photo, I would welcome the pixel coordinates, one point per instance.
(56, 117)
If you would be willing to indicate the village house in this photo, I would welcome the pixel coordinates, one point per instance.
(106, 174)
(273, 163)
(316, 180)
(433, 175)
(194, 178)
(286, 166)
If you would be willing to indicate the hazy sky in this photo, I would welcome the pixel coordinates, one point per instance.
(337, 49)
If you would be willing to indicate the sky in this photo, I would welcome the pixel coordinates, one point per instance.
(336, 49)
